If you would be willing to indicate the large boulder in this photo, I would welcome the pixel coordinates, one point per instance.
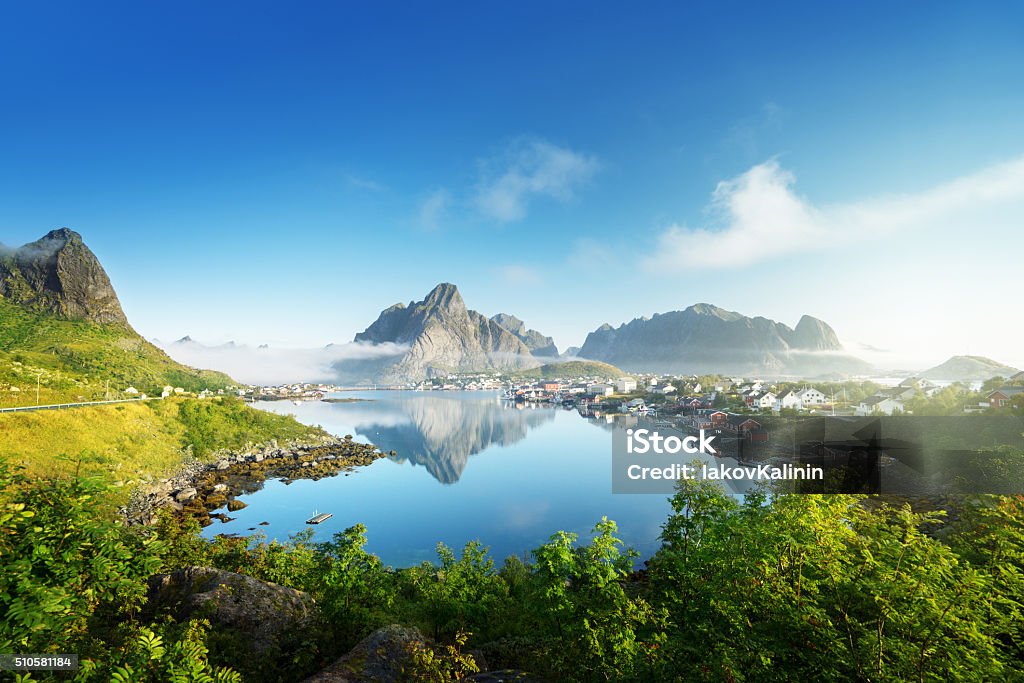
(263, 613)
(377, 658)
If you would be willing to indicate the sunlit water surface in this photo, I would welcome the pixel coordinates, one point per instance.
(468, 466)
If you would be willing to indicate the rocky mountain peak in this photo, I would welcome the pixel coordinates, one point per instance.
(444, 296)
(510, 323)
(813, 334)
(59, 274)
(441, 336)
(539, 344)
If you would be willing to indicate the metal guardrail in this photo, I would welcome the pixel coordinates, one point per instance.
(58, 406)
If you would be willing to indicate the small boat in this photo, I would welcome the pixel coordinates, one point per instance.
(321, 517)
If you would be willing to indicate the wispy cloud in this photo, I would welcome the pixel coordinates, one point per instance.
(587, 253)
(758, 216)
(276, 365)
(433, 209)
(520, 275)
(530, 168)
(359, 183)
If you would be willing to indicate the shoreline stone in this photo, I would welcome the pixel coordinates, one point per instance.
(199, 488)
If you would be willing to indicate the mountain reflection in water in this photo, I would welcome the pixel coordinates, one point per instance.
(467, 466)
(441, 435)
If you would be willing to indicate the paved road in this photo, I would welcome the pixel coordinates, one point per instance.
(58, 406)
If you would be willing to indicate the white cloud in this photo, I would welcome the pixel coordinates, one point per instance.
(520, 275)
(528, 169)
(758, 216)
(358, 183)
(275, 365)
(433, 209)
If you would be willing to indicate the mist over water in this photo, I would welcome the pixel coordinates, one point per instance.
(468, 466)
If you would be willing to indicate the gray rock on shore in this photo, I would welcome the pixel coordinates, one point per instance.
(263, 613)
(377, 658)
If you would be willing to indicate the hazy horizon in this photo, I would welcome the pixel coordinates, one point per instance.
(571, 173)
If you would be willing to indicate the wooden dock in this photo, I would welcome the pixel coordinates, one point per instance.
(316, 519)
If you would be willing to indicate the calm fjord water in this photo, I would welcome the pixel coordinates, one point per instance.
(469, 466)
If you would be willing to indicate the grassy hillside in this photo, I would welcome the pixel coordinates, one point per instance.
(573, 368)
(121, 443)
(73, 360)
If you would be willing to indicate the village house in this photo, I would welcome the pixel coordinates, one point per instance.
(1001, 397)
(883, 404)
(600, 389)
(810, 396)
(787, 399)
(624, 385)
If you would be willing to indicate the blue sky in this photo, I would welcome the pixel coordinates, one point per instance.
(267, 172)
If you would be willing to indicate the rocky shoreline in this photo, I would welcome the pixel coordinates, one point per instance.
(199, 488)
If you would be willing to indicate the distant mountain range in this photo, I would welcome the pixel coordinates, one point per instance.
(50, 288)
(705, 338)
(969, 369)
(442, 336)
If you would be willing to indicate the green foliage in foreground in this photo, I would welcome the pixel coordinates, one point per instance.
(73, 360)
(775, 588)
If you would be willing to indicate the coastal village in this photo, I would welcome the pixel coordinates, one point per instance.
(667, 395)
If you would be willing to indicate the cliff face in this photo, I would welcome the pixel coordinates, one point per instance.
(540, 345)
(442, 336)
(59, 274)
(705, 338)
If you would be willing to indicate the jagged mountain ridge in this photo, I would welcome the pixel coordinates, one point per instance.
(706, 338)
(540, 345)
(58, 274)
(443, 336)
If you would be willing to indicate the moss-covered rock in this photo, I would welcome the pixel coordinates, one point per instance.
(378, 658)
(262, 614)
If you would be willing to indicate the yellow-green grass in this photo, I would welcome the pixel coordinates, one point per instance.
(75, 360)
(125, 443)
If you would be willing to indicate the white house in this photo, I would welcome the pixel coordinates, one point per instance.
(811, 397)
(625, 385)
(765, 401)
(600, 389)
(884, 404)
(665, 390)
(787, 399)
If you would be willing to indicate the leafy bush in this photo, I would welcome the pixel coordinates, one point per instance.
(72, 581)
(828, 588)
